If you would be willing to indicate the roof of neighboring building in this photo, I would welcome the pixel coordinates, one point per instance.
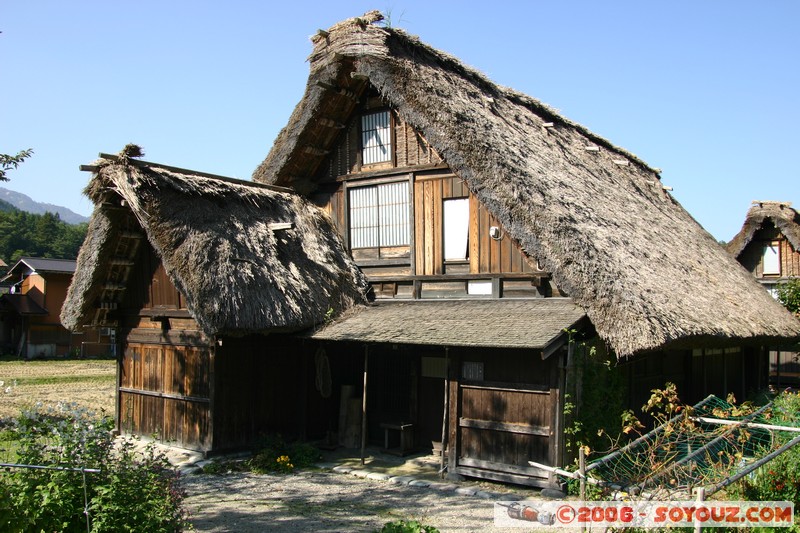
(529, 323)
(22, 304)
(780, 214)
(41, 265)
(594, 215)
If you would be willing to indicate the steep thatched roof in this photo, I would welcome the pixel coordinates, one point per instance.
(246, 257)
(780, 214)
(595, 216)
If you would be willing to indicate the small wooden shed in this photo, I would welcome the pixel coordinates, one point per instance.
(200, 275)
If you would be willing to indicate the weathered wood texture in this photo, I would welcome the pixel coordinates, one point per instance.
(258, 389)
(409, 149)
(501, 422)
(164, 391)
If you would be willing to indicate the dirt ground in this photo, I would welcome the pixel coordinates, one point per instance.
(88, 383)
(343, 495)
(326, 501)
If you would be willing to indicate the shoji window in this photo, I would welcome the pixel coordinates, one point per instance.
(376, 138)
(379, 215)
(772, 258)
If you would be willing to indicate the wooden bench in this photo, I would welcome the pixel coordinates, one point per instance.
(406, 431)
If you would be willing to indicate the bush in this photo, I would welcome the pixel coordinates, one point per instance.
(134, 491)
(779, 479)
(407, 526)
(789, 295)
(274, 455)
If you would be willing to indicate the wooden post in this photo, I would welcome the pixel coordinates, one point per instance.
(582, 471)
(364, 407)
(446, 407)
(701, 497)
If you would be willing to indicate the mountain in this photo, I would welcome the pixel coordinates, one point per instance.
(26, 203)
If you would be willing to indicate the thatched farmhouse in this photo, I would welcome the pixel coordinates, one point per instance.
(768, 246)
(194, 270)
(492, 232)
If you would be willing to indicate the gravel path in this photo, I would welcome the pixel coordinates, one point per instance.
(329, 501)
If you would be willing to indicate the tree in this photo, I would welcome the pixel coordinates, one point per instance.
(789, 295)
(10, 162)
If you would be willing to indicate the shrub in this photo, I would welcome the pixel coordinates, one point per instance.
(407, 526)
(133, 490)
(789, 295)
(277, 456)
(779, 479)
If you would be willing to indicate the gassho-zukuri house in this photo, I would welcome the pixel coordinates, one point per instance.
(420, 237)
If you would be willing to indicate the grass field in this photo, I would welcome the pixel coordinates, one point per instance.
(87, 383)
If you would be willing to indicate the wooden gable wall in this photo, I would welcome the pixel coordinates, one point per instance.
(431, 184)
(751, 257)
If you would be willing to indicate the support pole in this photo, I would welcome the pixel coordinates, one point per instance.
(446, 406)
(582, 471)
(364, 407)
(701, 497)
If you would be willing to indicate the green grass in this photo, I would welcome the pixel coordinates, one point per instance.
(63, 380)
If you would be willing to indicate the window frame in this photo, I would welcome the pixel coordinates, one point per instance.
(390, 161)
(407, 222)
(774, 258)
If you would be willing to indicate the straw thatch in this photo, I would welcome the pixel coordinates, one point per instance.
(779, 214)
(647, 274)
(236, 272)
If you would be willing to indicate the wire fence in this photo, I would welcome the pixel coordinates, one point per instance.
(83, 472)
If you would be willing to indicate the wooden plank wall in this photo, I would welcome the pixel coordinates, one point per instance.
(164, 391)
(488, 255)
(410, 149)
(259, 388)
(498, 424)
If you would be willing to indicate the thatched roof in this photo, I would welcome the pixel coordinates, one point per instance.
(594, 215)
(779, 214)
(246, 257)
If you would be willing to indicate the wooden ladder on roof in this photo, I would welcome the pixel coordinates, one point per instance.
(119, 271)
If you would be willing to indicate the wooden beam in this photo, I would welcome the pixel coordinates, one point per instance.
(364, 406)
(519, 429)
(170, 396)
(144, 164)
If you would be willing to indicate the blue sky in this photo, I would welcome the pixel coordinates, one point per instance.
(705, 90)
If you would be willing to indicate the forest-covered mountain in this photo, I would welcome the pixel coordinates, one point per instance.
(31, 235)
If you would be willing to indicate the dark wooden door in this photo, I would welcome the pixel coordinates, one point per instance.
(502, 426)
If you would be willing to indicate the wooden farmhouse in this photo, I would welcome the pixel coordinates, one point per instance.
(768, 246)
(489, 232)
(35, 289)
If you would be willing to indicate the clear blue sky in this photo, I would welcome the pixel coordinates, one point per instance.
(706, 90)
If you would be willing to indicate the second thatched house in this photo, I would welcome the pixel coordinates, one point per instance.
(768, 246)
(492, 231)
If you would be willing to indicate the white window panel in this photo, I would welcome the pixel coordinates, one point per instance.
(379, 215)
(456, 229)
(376, 138)
(479, 288)
(772, 258)
(364, 217)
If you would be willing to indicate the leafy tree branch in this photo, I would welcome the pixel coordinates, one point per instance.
(11, 162)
